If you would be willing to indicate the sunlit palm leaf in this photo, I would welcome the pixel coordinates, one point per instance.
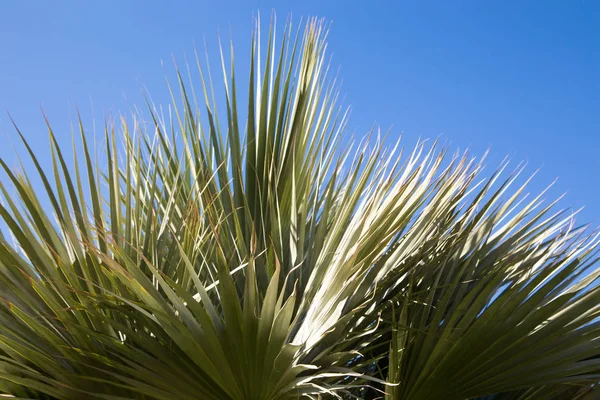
(227, 259)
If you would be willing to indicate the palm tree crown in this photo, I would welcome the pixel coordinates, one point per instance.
(258, 256)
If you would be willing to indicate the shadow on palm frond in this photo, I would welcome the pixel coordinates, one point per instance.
(251, 257)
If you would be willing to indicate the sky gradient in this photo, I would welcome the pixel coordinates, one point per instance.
(521, 78)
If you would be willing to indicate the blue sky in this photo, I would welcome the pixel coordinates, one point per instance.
(520, 77)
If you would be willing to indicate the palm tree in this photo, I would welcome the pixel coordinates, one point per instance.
(257, 256)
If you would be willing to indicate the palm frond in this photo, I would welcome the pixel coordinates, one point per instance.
(218, 258)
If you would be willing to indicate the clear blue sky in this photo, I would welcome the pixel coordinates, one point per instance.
(521, 77)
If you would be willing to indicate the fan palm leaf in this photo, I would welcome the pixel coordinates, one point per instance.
(261, 256)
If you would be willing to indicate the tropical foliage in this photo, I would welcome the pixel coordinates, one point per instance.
(258, 255)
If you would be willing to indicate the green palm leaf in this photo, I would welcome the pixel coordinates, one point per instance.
(260, 259)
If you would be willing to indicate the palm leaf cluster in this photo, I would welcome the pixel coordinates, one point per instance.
(256, 255)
